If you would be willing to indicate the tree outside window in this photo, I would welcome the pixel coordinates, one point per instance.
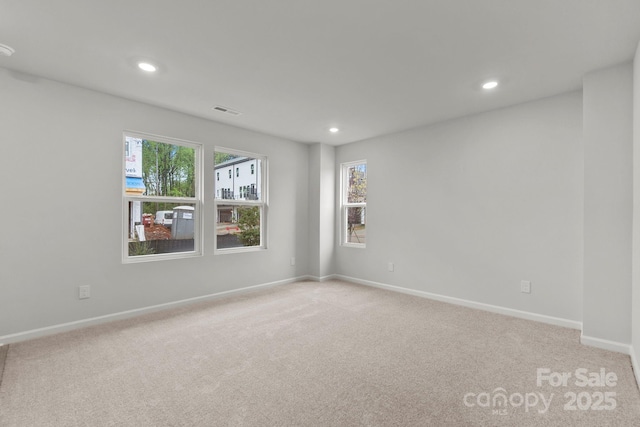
(241, 207)
(354, 203)
(161, 198)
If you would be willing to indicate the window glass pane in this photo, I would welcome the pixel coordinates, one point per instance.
(357, 183)
(245, 184)
(356, 231)
(159, 169)
(158, 228)
(237, 226)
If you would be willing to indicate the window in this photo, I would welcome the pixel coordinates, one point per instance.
(161, 198)
(354, 203)
(217, 176)
(240, 214)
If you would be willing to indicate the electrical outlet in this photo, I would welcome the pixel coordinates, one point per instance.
(390, 266)
(525, 286)
(293, 260)
(84, 292)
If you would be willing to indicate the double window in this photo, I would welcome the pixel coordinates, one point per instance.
(240, 201)
(162, 198)
(354, 203)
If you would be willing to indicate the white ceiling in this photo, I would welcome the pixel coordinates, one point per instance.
(295, 68)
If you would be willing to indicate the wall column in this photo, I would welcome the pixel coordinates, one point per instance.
(608, 207)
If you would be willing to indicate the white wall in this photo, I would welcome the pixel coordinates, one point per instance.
(608, 199)
(321, 210)
(470, 207)
(315, 162)
(635, 300)
(327, 210)
(61, 169)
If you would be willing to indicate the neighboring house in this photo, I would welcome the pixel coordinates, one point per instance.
(237, 179)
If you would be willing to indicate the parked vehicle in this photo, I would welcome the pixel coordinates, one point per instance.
(164, 218)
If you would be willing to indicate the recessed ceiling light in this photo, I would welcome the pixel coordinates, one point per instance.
(334, 130)
(490, 85)
(6, 50)
(150, 68)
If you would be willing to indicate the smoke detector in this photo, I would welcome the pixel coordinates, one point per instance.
(6, 50)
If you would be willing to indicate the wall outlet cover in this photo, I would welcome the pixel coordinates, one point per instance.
(84, 292)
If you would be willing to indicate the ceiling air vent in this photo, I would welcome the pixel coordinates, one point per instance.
(226, 110)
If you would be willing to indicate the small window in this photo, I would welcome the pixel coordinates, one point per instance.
(229, 173)
(217, 176)
(241, 215)
(162, 199)
(354, 203)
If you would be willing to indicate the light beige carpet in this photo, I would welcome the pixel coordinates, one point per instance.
(316, 354)
(3, 357)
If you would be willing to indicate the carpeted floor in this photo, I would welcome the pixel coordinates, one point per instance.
(3, 357)
(317, 354)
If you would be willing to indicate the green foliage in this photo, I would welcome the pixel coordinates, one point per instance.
(249, 225)
(168, 170)
(220, 157)
(140, 248)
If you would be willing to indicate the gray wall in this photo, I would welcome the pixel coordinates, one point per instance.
(327, 209)
(470, 207)
(636, 215)
(608, 203)
(322, 176)
(61, 169)
(465, 208)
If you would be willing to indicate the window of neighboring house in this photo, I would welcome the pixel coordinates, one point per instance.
(161, 178)
(241, 217)
(354, 203)
(217, 176)
(253, 169)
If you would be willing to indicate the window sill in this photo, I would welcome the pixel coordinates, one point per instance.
(239, 250)
(354, 245)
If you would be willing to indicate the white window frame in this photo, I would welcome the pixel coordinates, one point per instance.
(344, 204)
(262, 204)
(196, 201)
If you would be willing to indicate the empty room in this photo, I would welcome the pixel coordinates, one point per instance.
(320, 213)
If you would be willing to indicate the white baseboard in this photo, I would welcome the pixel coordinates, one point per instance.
(322, 278)
(605, 344)
(63, 327)
(635, 365)
(471, 304)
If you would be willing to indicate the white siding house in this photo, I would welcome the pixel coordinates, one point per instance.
(238, 179)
